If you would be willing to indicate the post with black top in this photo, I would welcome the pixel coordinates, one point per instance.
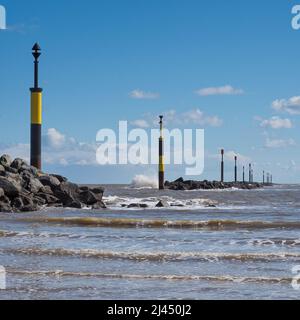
(161, 174)
(36, 114)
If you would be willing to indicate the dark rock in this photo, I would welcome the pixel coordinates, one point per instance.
(49, 181)
(59, 178)
(49, 199)
(2, 194)
(17, 203)
(88, 197)
(180, 184)
(5, 160)
(18, 163)
(11, 188)
(25, 167)
(68, 193)
(33, 185)
(26, 189)
(162, 204)
(5, 207)
(30, 208)
(98, 190)
(179, 205)
(137, 205)
(84, 188)
(74, 204)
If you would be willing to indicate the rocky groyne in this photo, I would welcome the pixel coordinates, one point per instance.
(181, 184)
(23, 188)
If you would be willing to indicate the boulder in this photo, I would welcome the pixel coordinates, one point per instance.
(74, 204)
(11, 188)
(34, 185)
(49, 181)
(30, 169)
(162, 204)
(26, 189)
(2, 169)
(5, 160)
(89, 198)
(137, 205)
(59, 178)
(18, 163)
(17, 203)
(5, 207)
(49, 199)
(30, 208)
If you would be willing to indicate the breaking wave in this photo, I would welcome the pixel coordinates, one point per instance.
(61, 273)
(142, 181)
(177, 224)
(156, 256)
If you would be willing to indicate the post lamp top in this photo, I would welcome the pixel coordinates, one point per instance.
(222, 152)
(36, 51)
(161, 118)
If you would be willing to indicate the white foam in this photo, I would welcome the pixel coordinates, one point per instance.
(143, 181)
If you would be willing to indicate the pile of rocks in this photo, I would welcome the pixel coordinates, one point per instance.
(181, 184)
(23, 188)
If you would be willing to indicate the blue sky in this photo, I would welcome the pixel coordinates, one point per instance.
(110, 60)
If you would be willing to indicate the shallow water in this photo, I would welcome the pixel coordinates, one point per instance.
(244, 248)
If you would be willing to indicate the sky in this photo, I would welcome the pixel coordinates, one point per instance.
(228, 67)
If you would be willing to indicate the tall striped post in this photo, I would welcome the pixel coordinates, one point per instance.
(243, 174)
(263, 177)
(36, 114)
(222, 165)
(235, 169)
(250, 172)
(161, 174)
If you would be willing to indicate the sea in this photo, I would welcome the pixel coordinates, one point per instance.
(206, 245)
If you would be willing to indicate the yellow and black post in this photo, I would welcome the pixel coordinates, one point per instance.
(222, 165)
(36, 114)
(235, 169)
(161, 174)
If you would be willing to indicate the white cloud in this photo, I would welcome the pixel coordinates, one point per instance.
(291, 105)
(277, 123)
(57, 149)
(140, 123)
(191, 117)
(279, 143)
(198, 117)
(54, 139)
(225, 90)
(140, 95)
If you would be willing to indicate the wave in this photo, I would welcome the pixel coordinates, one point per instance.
(177, 224)
(214, 278)
(142, 181)
(155, 256)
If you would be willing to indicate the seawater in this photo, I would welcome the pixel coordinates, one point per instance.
(243, 248)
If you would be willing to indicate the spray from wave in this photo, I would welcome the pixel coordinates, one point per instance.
(143, 181)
